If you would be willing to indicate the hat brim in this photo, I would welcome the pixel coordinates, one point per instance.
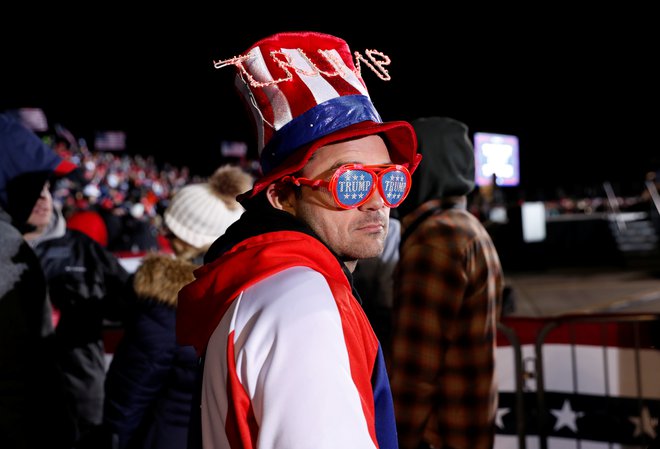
(400, 138)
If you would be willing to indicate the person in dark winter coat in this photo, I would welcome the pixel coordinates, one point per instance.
(151, 379)
(87, 285)
(33, 413)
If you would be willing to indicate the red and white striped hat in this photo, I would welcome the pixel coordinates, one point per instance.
(305, 92)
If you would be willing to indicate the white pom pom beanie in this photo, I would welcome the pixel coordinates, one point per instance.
(200, 213)
(198, 216)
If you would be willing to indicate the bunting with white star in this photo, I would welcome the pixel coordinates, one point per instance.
(601, 384)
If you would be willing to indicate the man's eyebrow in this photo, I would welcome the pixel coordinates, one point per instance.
(338, 164)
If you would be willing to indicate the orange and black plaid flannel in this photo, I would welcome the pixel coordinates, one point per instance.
(448, 295)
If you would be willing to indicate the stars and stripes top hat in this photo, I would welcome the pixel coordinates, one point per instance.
(305, 91)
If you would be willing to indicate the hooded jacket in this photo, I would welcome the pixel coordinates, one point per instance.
(290, 359)
(25, 165)
(448, 292)
(33, 412)
(448, 167)
(88, 285)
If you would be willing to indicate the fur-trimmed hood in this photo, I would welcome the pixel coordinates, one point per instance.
(161, 276)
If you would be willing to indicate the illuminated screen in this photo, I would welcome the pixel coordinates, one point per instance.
(496, 154)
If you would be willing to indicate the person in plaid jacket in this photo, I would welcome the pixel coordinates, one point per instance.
(448, 294)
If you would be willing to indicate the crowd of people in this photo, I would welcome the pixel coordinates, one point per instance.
(255, 317)
(130, 192)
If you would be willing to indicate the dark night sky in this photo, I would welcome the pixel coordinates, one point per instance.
(580, 90)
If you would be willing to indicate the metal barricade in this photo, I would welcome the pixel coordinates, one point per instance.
(608, 382)
(581, 381)
(519, 407)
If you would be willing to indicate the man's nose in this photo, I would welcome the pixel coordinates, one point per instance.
(375, 202)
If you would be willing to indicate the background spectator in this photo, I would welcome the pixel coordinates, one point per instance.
(448, 293)
(87, 285)
(33, 412)
(151, 379)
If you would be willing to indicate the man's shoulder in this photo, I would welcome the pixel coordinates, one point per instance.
(9, 233)
(288, 290)
(289, 281)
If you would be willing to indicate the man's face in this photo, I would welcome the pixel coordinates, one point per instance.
(42, 210)
(352, 233)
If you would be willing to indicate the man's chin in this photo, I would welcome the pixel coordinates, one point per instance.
(368, 251)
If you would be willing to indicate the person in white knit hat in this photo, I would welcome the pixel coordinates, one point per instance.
(200, 213)
(151, 379)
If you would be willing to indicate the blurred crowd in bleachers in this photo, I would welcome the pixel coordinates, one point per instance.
(129, 191)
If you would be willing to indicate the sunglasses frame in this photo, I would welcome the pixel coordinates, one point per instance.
(376, 170)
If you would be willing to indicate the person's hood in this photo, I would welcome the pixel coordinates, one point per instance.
(56, 228)
(25, 164)
(262, 242)
(447, 167)
(161, 276)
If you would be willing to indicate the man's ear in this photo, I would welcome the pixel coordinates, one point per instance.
(281, 197)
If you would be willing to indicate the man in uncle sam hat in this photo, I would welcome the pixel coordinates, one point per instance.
(290, 359)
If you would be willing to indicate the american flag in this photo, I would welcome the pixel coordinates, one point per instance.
(33, 118)
(110, 140)
(233, 149)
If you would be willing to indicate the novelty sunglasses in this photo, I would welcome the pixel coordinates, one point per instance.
(352, 185)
